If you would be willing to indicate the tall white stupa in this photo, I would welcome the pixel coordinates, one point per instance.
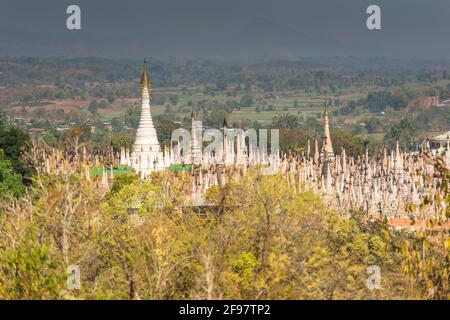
(146, 155)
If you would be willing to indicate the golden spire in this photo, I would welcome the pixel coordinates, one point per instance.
(145, 81)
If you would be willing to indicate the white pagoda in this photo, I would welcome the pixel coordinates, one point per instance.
(146, 155)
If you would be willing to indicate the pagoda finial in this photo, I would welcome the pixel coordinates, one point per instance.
(328, 147)
(145, 80)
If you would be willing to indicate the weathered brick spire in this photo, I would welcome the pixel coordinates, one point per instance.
(327, 145)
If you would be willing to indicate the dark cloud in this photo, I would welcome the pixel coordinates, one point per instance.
(226, 29)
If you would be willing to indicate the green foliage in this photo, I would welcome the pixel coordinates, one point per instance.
(294, 139)
(14, 142)
(426, 256)
(380, 100)
(374, 125)
(285, 121)
(427, 265)
(28, 270)
(121, 140)
(100, 140)
(10, 182)
(121, 181)
(354, 144)
(93, 106)
(215, 118)
(404, 131)
(257, 238)
(246, 101)
(102, 104)
(164, 129)
(132, 115)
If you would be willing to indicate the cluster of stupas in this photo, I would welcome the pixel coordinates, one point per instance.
(392, 185)
(146, 155)
(53, 161)
(395, 185)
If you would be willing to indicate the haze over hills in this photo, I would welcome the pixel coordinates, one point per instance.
(249, 29)
(258, 38)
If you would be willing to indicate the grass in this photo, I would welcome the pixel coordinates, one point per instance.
(97, 172)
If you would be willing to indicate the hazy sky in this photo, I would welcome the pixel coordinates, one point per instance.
(225, 29)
